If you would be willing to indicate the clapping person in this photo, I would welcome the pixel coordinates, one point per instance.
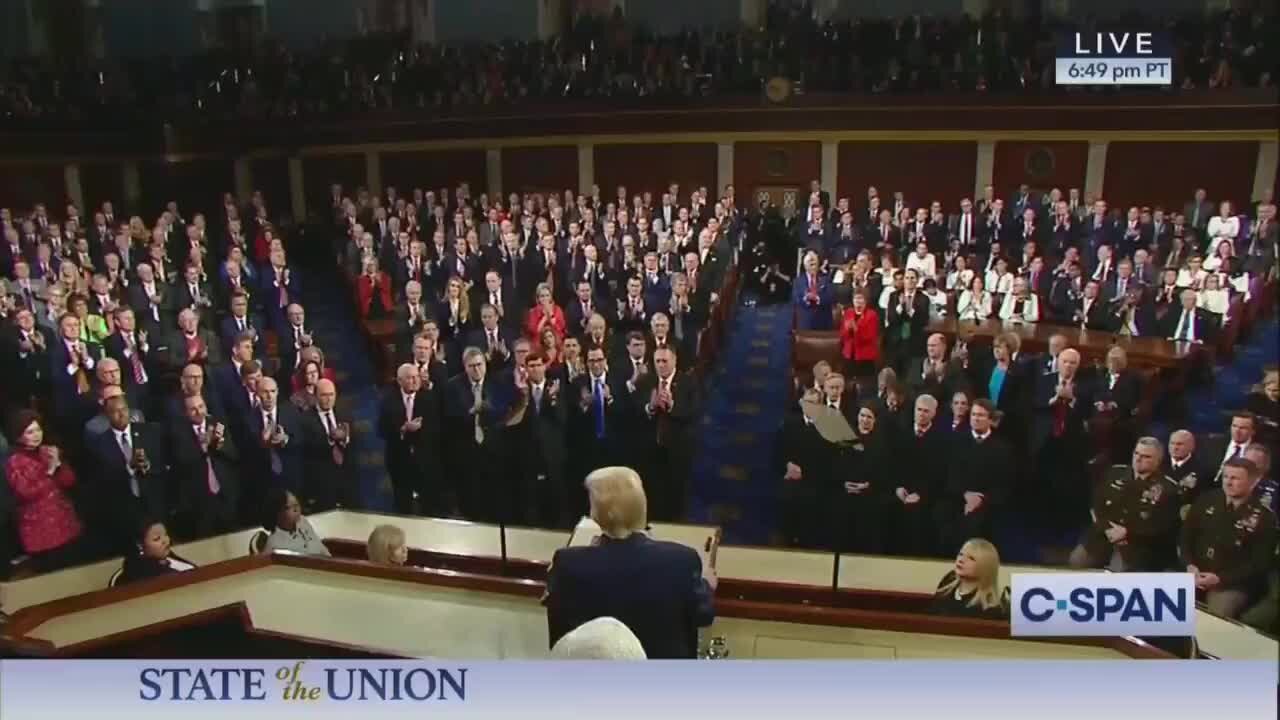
(206, 470)
(134, 475)
(409, 422)
(1020, 305)
(860, 337)
(373, 291)
(329, 478)
(545, 314)
(274, 430)
(974, 303)
(48, 526)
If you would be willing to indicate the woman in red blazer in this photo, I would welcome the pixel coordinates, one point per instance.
(860, 337)
(545, 314)
(48, 525)
(373, 291)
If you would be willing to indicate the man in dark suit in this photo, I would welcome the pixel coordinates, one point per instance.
(1062, 403)
(494, 340)
(131, 477)
(1091, 311)
(596, 421)
(923, 447)
(1198, 210)
(151, 299)
(329, 479)
(72, 363)
(813, 296)
(1188, 323)
(933, 374)
(410, 424)
(275, 444)
(193, 381)
(666, 406)
(193, 292)
(907, 319)
(477, 416)
(537, 450)
(980, 473)
(132, 349)
(205, 470)
(241, 320)
(660, 590)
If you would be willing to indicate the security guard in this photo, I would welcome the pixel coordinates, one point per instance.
(1135, 511)
(1229, 540)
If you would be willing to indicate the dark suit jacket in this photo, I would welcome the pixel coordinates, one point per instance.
(229, 330)
(190, 471)
(815, 316)
(418, 451)
(668, 429)
(917, 321)
(1074, 427)
(1125, 394)
(1204, 329)
(655, 588)
(65, 396)
(177, 349)
(258, 458)
(115, 506)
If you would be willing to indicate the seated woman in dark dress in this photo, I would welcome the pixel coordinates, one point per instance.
(972, 588)
(154, 557)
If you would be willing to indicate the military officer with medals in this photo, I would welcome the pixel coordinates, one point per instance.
(1135, 511)
(1229, 541)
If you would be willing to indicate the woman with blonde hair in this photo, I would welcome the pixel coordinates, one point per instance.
(387, 546)
(972, 587)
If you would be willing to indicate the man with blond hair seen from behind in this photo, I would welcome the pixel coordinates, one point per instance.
(659, 590)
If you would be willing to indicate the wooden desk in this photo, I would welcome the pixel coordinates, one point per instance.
(1092, 344)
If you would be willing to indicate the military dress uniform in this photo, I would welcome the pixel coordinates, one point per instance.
(1146, 507)
(1238, 544)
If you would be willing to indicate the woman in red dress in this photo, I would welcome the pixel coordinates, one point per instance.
(48, 526)
(545, 314)
(373, 292)
(860, 337)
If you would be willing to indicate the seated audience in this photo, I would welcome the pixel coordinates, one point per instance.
(972, 588)
(288, 529)
(387, 546)
(1228, 541)
(154, 557)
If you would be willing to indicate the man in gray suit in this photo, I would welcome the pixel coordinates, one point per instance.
(1199, 210)
(26, 290)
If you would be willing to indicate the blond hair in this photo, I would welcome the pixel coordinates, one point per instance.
(618, 503)
(383, 542)
(989, 595)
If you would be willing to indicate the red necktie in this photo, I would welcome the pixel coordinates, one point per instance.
(139, 376)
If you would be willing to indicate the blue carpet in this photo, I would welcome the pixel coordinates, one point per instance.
(1232, 382)
(333, 319)
(735, 481)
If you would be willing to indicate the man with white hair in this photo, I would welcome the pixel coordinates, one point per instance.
(1182, 466)
(604, 638)
(1062, 404)
(660, 590)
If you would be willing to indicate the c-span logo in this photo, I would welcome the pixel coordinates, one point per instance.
(1103, 604)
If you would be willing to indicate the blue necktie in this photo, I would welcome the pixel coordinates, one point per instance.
(598, 401)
